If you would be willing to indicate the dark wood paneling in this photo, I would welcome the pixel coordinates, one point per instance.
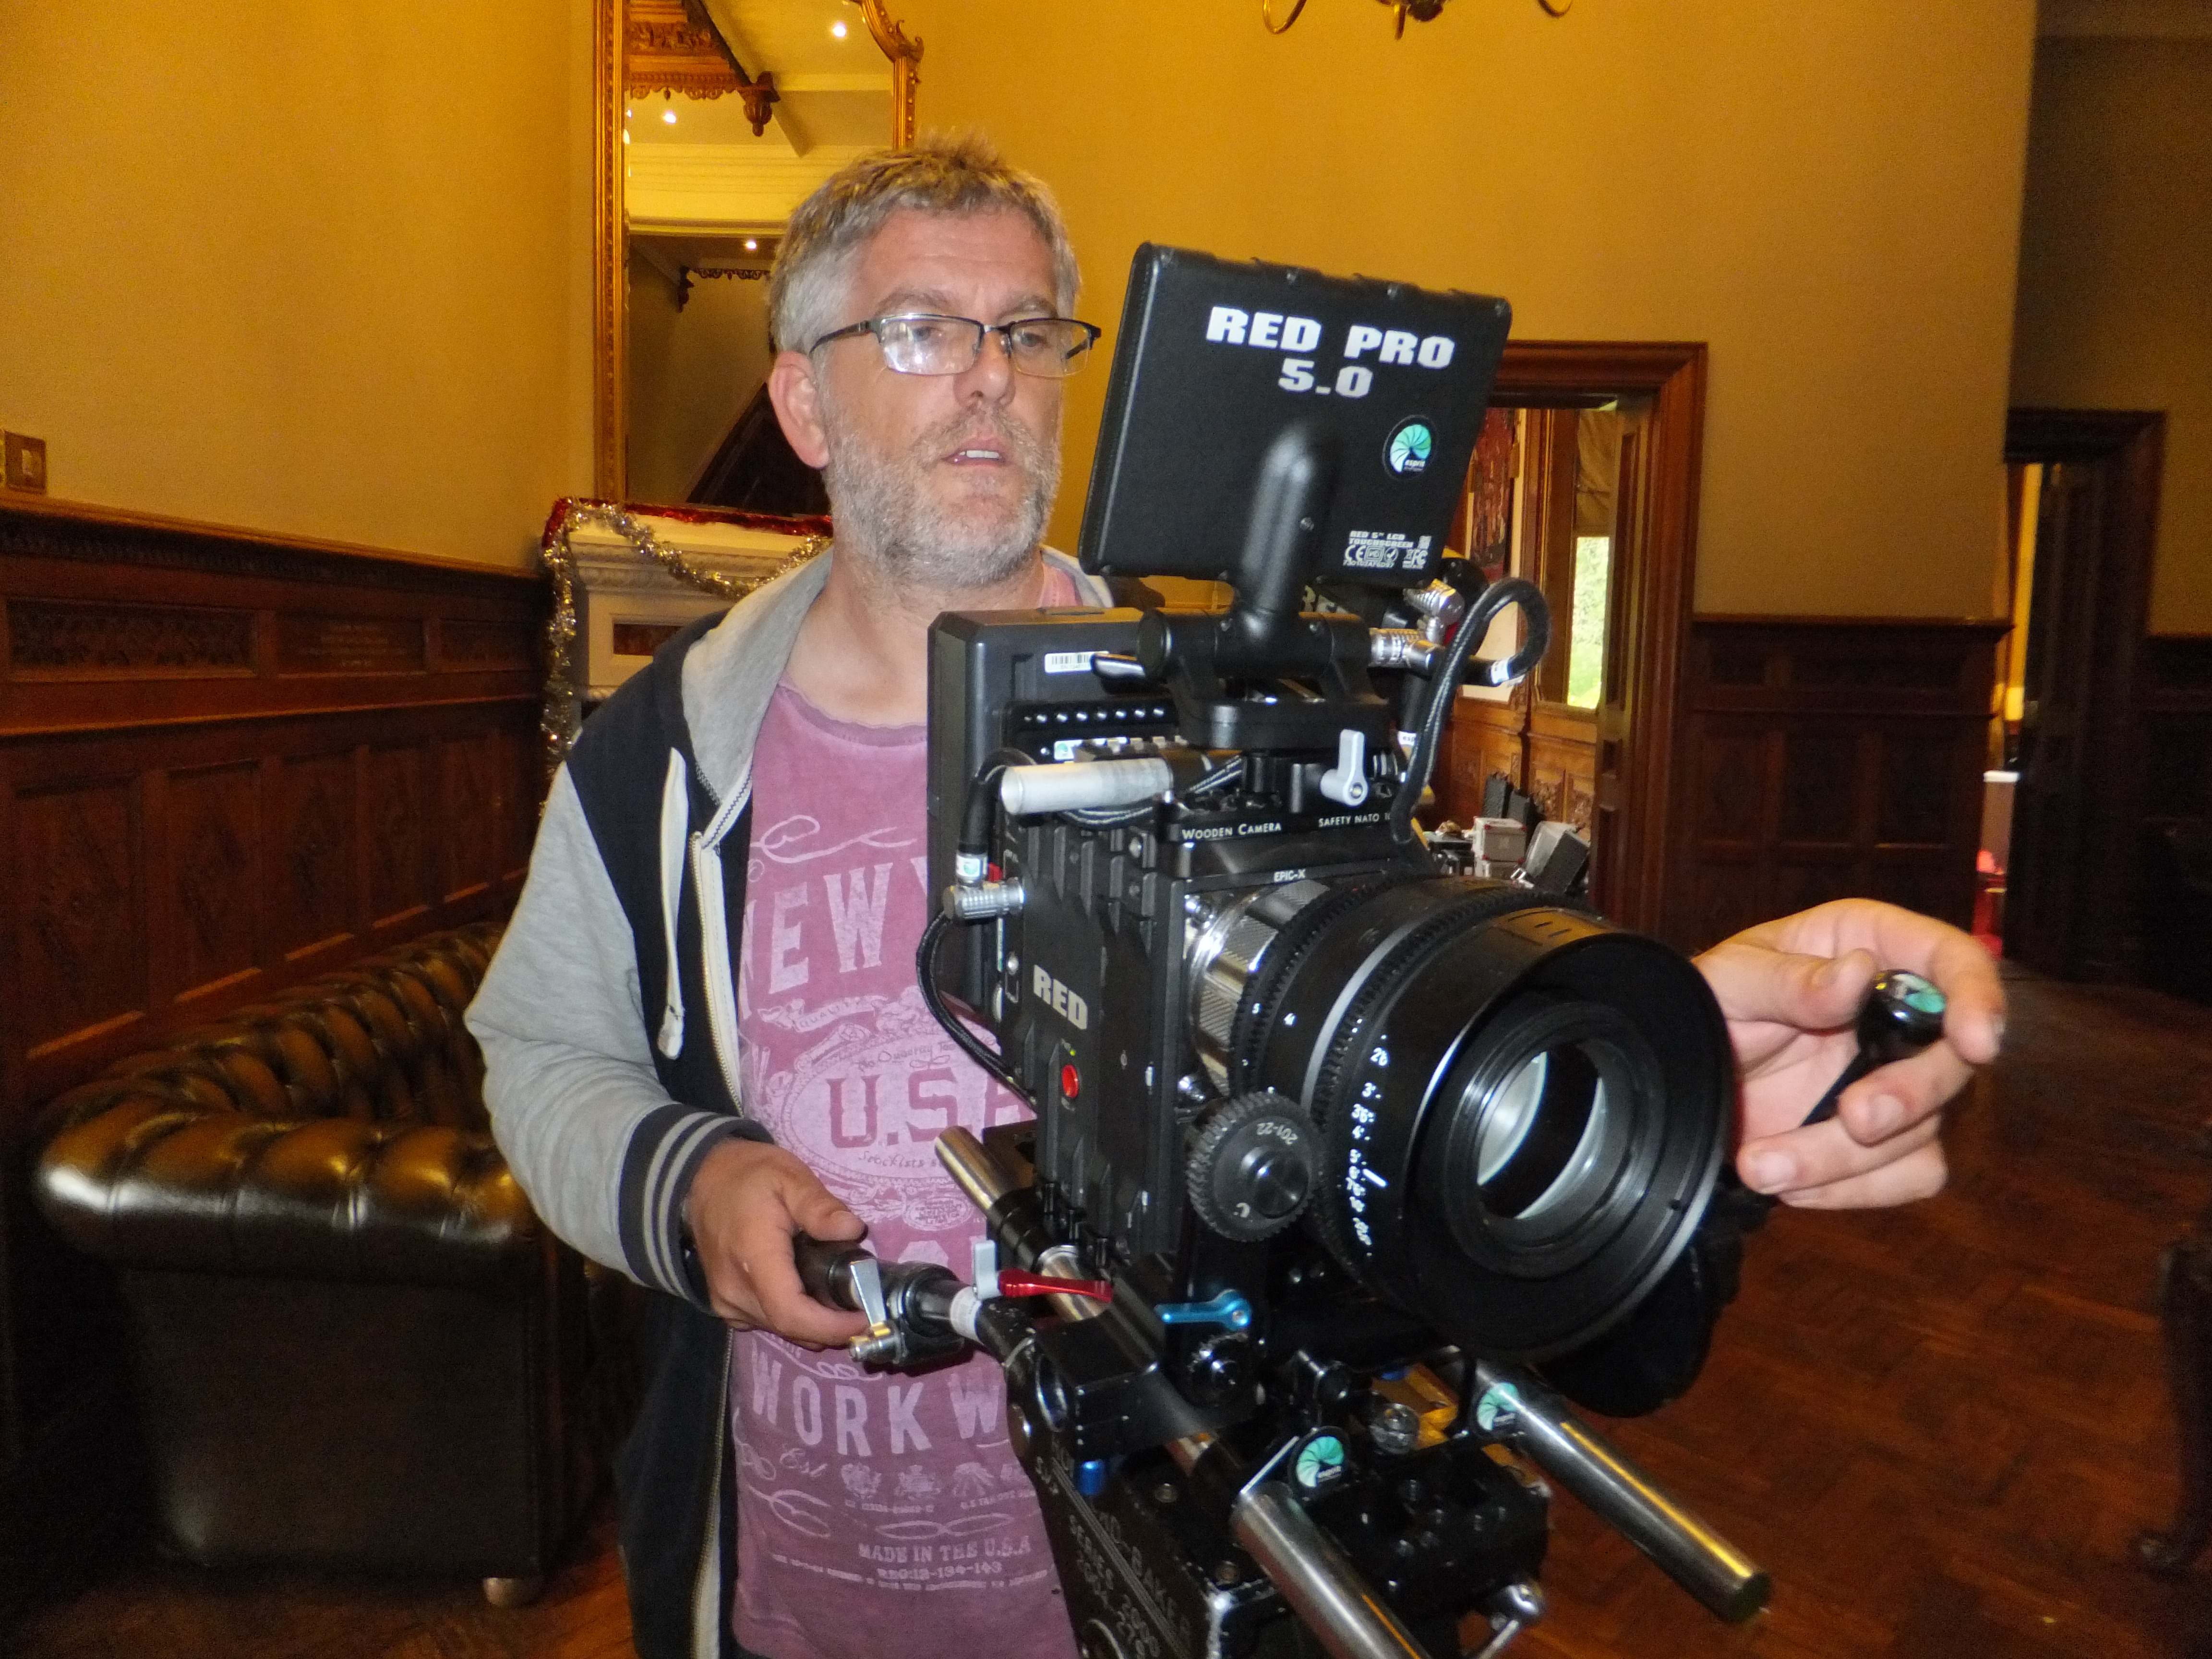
(1828, 758)
(228, 762)
(1562, 764)
(1484, 736)
(1551, 754)
(214, 845)
(398, 835)
(80, 961)
(2173, 713)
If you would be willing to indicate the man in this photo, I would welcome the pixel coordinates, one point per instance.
(720, 918)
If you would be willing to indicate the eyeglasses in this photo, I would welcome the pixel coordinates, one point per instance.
(1051, 347)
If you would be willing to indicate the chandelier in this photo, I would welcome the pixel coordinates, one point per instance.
(1421, 11)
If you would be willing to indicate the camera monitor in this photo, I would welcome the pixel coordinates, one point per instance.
(1217, 358)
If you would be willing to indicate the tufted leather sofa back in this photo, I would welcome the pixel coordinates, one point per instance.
(337, 1131)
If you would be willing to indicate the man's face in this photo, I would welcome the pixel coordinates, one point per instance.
(947, 478)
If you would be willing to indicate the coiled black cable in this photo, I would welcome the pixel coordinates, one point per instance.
(925, 973)
(1444, 683)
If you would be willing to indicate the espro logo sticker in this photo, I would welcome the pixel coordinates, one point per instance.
(1411, 440)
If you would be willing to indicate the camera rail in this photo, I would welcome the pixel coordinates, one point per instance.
(919, 1310)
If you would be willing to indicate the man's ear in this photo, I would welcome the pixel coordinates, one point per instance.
(797, 400)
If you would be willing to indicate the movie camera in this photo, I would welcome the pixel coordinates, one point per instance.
(1345, 1174)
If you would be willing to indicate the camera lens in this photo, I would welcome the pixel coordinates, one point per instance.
(1538, 1137)
(1522, 1108)
(1509, 1115)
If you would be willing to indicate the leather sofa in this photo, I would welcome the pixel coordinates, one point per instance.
(352, 1342)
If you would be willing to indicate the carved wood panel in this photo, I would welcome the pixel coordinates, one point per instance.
(316, 850)
(65, 639)
(1551, 755)
(1484, 736)
(215, 841)
(80, 960)
(1828, 759)
(230, 761)
(1562, 766)
(469, 795)
(398, 825)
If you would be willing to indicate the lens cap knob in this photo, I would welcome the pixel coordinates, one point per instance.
(1252, 1167)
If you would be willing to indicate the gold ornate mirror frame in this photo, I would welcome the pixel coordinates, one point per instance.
(610, 344)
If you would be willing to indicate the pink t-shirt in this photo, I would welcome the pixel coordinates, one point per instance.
(876, 1513)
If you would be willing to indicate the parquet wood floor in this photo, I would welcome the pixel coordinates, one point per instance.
(1938, 1428)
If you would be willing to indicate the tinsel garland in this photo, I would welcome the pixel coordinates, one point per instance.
(563, 687)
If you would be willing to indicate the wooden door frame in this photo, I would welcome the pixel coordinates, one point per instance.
(2104, 928)
(1660, 592)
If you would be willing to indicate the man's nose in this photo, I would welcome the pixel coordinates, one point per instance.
(991, 376)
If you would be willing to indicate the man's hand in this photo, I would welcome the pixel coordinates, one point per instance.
(1792, 990)
(746, 1202)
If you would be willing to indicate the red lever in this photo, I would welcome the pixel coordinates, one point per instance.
(1097, 1290)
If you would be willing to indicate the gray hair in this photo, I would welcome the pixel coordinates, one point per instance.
(940, 175)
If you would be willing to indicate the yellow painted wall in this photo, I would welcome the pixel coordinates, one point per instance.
(1826, 192)
(2116, 272)
(320, 270)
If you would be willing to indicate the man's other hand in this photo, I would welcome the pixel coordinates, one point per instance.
(1791, 991)
(747, 1202)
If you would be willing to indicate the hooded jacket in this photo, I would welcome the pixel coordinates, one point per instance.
(609, 1078)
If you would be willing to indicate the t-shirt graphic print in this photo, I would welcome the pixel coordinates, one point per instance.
(878, 1513)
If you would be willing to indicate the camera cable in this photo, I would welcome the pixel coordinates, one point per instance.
(925, 973)
(1444, 685)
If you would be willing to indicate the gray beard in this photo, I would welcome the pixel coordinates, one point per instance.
(881, 512)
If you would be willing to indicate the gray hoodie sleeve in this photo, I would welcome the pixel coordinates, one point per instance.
(604, 1152)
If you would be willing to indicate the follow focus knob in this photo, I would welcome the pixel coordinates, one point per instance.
(1252, 1167)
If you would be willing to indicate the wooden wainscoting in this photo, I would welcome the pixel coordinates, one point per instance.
(1485, 735)
(1822, 758)
(2173, 720)
(1552, 755)
(229, 762)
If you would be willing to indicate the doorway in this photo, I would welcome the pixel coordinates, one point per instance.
(2085, 509)
(1550, 480)
(1604, 517)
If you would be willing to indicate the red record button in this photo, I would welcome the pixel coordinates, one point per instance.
(1071, 1084)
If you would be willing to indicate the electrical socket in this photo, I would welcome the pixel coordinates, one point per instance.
(26, 462)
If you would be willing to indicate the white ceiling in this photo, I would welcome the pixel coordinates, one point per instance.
(707, 172)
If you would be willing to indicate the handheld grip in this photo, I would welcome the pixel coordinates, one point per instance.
(1902, 1015)
(825, 1270)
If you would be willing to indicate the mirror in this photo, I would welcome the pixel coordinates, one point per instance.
(718, 117)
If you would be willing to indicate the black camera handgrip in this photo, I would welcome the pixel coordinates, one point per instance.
(1902, 1015)
(825, 1269)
